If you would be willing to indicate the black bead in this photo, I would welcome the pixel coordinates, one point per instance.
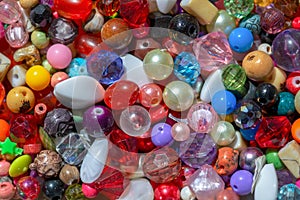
(41, 15)
(53, 189)
(266, 95)
(159, 24)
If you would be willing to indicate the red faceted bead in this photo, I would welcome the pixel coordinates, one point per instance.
(134, 12)
(293, 82)
(167, 191)
(273, 132)
(71, 9)
(121, 94)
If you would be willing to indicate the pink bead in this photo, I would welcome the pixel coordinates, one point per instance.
(180, 132)
(59, 56)
(4, 167)
(7, 191)
(58, 77)
(150, 95)
(88, 191)
(16, 35)
(298, 183)
(10, 11)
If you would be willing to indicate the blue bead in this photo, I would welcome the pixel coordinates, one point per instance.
(289, 192)
(105, 66)
(77, 67)
(286, 105)
(240, 40)
(223, 102)
(249, 134)
(187, 68)
(251, 22)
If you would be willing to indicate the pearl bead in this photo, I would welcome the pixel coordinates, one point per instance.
(223, 133)
(180, 132)
(223, 22)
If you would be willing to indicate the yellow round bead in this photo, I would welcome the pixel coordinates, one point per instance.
(37, 78)
(20, 99)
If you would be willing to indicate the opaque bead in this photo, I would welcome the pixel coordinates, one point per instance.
(241, 182)
(58, 77)
(293, 82)
(4, 130)
(223, 102)
(240, 40)
(286, 104)
(37, 78)
(297, 102)
(272, 157)
(59, 56)
(180, 131)
(161, 134)
(20, 99)
(296, 130)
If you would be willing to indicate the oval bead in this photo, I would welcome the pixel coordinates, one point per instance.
(20, 166)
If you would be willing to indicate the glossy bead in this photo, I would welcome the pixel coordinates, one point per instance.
(251, 22)
(183, 28)
(28, 187)
(240, 40)
(227, 194)
(20, 166)
(108, 8)
(89, 191)
(69, 174)
(28, 4)
(223, 133)
(20, 99)
(222, 22)
(178, 96)
(150, 95)
(116, 33)
(292, 82)
(39, 39)
(247, 158)
(53, 189)
(166, 191)
(135, 120)
(144, 143)
(105, 66)
(7, 190)
(266, 95)
(272, 20)
(239, 9)
(16, 35)
(277, 78)
(58, 77)
(4, 132)
(180, 131)
(159, 25)
(143, 46)
(94, 22)
(295, 130)
(10, 12)
(241, 182)
(121, 94)
(286, 104)
(77, 67)
(161, 134)
(289, 191)
(59, 56)
(296, 23)
(187, 68)
(272, 157)
(265, 47)
(223, 102)
(41, 15)
(62, 31)
(69, 9)
(74, 191)
(85, 43)
(158, 64)
(285, 50)
(37, 78)
(16, 76)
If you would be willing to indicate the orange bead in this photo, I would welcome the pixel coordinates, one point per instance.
(20, 99)
(4, 130)
(296, 130)
(58, 77)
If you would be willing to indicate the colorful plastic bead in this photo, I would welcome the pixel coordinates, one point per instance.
(247, 158)
(266, 95)
(39, 39)
(163, 191)
(295, 130)
(53, 189)
(227, 161)
(272, 157)
(285, 104)
(37, 78)
(108, 8)
(180, 131)
(41, 15)
(59, 56)
(69, 174)
(58, 77)
(4, 131)
(223, 22)
(239, 9)
(20, 166)
(272, 20)
(241, 182)
(20, 99)
(161, 134)
(77, 67)
(70, 9)
(7, 190)
(223, 133)
(251, 22)
(223, 102)
(240, 40)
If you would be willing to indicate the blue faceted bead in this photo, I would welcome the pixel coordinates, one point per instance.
(105, 66)
(77, 67)
(286, 105)
(187, 68)
(289, 192)
(223, 102)
(249, 134)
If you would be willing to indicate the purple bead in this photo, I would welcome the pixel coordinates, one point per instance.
(284, 177)
(241, 182)
(47, 2)
(248, 156)
(97, 120)
(198, 150)
(161, 134)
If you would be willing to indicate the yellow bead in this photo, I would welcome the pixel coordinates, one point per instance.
(37, 78)
(20, 99)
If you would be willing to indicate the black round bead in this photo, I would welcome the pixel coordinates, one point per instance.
(53, 189)
(266, 95)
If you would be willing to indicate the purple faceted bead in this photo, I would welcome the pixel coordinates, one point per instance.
(198, 150)
(284, 177)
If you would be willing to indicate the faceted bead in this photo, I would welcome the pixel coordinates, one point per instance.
(77, 67)
(10, 11)
(272, 20)
(206, 183)
(251, 22)
(202, 117)
(289, 8)
(28, 187)
(198, 150)
(288, 192)
(239, 9)
(273, 132)
(222, 22)
(285, 104)
(159, 25)
(16, 35)
(108, 7)
(74, 191)
(223, 133)
(41, 15)
(186, 68)
(70, 9)
(62, 31)
(167, 191)
(134, 12)
(285, 50)
(105, 66)
(161, 165)
(212, 51)
(247, 158)
(183, 28)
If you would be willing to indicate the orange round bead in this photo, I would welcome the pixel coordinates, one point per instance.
(20, 99)
(58, 77)
(296, 130)
(4, 130)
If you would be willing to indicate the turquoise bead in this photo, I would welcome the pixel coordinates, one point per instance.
(286, 105)
(289, 192)
(77, 67)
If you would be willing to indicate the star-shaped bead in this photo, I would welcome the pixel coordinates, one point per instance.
(9, 147)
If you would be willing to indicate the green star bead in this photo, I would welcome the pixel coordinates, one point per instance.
(9, 147)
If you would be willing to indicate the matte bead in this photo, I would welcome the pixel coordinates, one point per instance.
(251, 22)
(16, 76)
(240, 40)
(285, 104)
(227, 161)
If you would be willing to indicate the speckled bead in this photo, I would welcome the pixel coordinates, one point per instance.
(286, 104)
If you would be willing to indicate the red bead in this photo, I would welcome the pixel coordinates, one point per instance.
(71, 9)
(121, 94)
(29, 186)
(158, 113)
(2, 93)
(108, 7)
(150, 95)
(85, 44)
(273, 132)
(296, 23)
(167, 191)
(293, 82)
(144, 143)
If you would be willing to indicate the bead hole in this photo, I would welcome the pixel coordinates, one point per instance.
(41, 108)
(160, 128)
(250, 58)
(235, 186)
(236, 47)
(24, 93)
(297, 82)
(192, 30)
(16, 76)
(98, 111)
(154, 101)
(268, 49)
(145, 44)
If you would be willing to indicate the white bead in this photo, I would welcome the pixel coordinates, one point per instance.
(17, 76)
(186, 194)
(4, 66)
(265, 47)
(165, 6)
(138, 189)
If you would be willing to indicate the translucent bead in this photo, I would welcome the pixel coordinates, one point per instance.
(108, 7)
(239, 8)
(77, 67)
(41, 15)
(150, 95)
(289, 192)
(28, 187)
(222, 22)
(289, 8)
(272, 20)
(10, 11)
(16, 35)
(223, 133)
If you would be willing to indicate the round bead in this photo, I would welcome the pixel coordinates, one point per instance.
(247, 158)
(240, 40)
(293, 82)
(27, 4)
(4, 168)
(272, 20)
(239, 8)
(277, 78)
(37, 78)
(116, 33)
(39, 39)
(166, 191)
(150, 95)
(241, 182)
(296, 130)
(161, 134)
(258, 65)
(223, 133)
(272, 157)
(4, 131)
(10, 12)
(178, 96)
(286, 104)
(180, 131)
(297, 102)
(223, 22)
(223, 102)
(28, 187)
(70, 9)
(20, 99)
(183, 28)
(16, 35)
(251, 22)
(227, 194)
(58, 77)
(53, 189)
(296, 23)
(158, 64)
(202, 117)
(135, 120)
(266, 95)
(69, 174)
(59, 56)
(265, 47)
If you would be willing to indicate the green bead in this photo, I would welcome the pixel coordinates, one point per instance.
(39, 39)
(48, 67)
(74, 192)
(239, 8)
(46, 140)
(20, 166)
(235, 80)
(272, 157)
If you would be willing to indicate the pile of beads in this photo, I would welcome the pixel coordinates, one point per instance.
(149, 99)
